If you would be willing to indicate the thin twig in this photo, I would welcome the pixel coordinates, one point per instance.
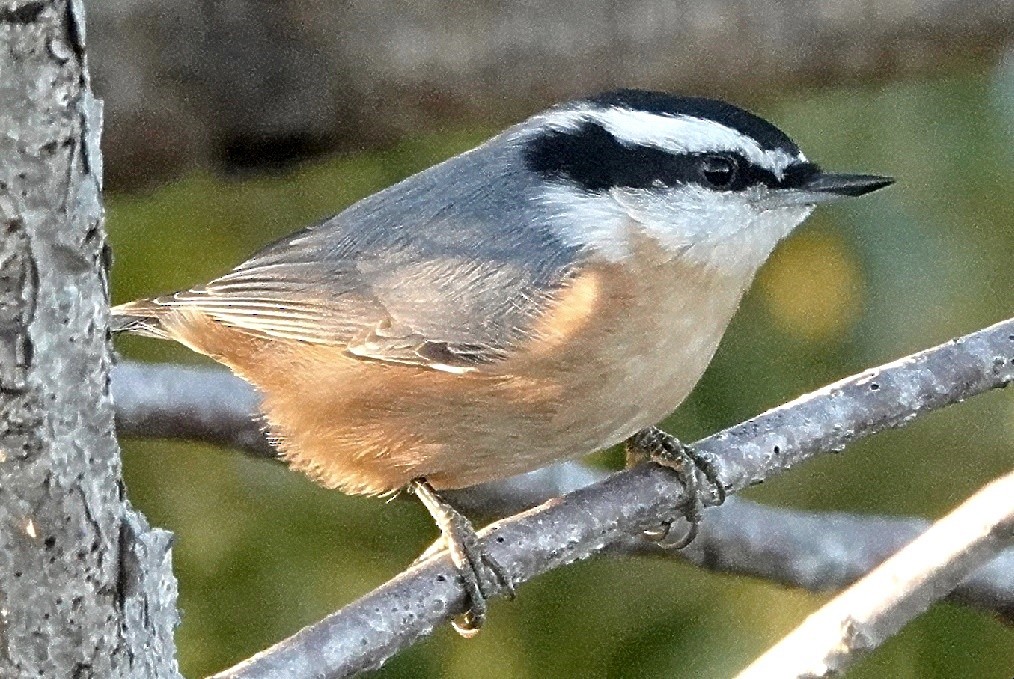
(367, 632)
(871, 611)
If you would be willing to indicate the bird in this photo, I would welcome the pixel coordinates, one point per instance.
(558, 289)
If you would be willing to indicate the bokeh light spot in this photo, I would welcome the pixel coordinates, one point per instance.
(813, 286)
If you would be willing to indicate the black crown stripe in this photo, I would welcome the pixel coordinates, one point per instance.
(595, 160)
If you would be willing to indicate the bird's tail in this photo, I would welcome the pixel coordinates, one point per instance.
(142, 317)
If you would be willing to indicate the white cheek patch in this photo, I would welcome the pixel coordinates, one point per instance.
(674, 133)
(589, 221)
(690, 222)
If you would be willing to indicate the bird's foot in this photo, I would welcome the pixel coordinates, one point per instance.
(480, 573)
(664, 449)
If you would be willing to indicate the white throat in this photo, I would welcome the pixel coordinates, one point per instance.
(706, 228)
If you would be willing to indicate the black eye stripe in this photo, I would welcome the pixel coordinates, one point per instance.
(798, 174)
(591, 157)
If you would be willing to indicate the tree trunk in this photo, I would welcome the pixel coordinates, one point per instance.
(85, 585)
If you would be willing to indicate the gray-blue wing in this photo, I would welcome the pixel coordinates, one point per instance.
(453, 283)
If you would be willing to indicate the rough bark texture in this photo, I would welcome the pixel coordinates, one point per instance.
(249, 82)
(85, 585)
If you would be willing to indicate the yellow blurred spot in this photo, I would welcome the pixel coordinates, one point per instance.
(30, 529)
(813, 287)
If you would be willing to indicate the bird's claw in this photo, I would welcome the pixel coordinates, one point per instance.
(668, 451)
(481, 575)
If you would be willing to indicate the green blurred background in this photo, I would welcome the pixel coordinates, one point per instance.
(261, 551)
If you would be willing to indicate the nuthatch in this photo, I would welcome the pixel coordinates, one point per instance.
(552, 292)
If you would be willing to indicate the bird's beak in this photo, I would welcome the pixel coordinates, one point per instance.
(823, 187)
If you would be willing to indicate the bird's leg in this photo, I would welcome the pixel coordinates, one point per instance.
(664, 449)
(481, 575)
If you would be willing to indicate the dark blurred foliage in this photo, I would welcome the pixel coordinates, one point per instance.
(261, 551)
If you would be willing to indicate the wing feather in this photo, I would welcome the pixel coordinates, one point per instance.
(420, 274)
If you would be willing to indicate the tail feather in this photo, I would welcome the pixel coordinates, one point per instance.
(142, 317)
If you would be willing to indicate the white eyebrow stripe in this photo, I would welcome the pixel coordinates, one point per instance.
(674, 133)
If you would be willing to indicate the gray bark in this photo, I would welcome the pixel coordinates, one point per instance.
(86, 588)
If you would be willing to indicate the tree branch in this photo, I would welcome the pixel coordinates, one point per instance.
(586, 521)
(875, 608)
(192, 404)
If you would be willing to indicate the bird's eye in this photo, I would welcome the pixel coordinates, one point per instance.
(718, 172)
